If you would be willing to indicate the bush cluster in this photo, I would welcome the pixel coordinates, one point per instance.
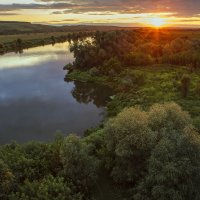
(152, 154)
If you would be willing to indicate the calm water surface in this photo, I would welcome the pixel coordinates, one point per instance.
(35, 101)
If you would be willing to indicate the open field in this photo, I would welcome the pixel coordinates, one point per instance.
(13, 28)
(29, 36)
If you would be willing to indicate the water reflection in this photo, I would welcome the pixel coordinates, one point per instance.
(35, 101)
(90, 92)
(35, 56)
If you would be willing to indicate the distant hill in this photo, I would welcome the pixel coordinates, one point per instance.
(23, 27)
(14, 27)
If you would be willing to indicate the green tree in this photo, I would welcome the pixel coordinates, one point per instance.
(146, 149)
(173, 168)
(49, 188)
(128, 142)
(80, 168)
(6, 180)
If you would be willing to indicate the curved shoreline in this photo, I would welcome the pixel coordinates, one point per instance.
(19, 43)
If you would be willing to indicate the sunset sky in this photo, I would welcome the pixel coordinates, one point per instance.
(112, 12)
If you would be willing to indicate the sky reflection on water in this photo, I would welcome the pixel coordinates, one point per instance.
(35, 101)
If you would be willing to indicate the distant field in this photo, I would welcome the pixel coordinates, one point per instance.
(195, 34)
(29, 36)
(13, 28)
(9, 41)
(23, 27)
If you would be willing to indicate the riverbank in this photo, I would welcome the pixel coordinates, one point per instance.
(16, 43)
(143, 70)
(145, 86)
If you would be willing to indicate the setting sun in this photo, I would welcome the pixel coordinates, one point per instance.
(157, 22)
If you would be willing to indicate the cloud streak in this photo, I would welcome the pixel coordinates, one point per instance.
(180, 7)
(105, 8)
(35, 6)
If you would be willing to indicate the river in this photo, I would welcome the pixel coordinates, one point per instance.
(36, 102)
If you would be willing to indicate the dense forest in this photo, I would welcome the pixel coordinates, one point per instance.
(148, 146)
(143, 47)
(143, 67)
(152, 154)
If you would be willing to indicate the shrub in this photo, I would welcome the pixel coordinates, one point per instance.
(169, 116)
(111, 66)
(198, 89)
(53, 39)
(185, 85)
(69, 67)
(19, 42)
(131, 79)
(94, 71)
(138, 77)
(126, 82)
(1, 46)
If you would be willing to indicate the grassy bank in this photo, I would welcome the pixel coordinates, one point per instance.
(18, 42)
(28, 36)
(86, 77)
(145, 86)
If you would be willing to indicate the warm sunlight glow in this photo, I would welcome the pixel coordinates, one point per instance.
(157, 22)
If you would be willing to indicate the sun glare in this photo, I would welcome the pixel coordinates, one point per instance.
(157, 22)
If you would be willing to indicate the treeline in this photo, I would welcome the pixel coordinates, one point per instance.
(121, 59)
(19, 44)
(113, 51)
(147, 155)
(16, 27)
